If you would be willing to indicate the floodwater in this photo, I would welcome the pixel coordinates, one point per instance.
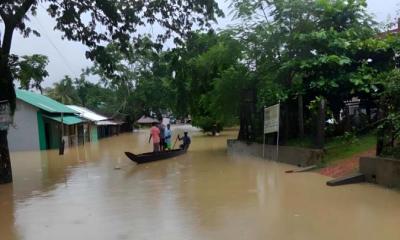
(204, 194)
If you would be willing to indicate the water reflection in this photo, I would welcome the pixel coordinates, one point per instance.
(204, 194)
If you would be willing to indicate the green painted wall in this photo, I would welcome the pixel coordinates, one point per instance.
(93, 133)
(54, 135)
(42, 131)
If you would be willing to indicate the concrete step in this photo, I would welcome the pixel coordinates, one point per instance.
(304, 169)
(350, 179)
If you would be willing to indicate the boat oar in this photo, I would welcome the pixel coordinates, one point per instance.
(175, 142)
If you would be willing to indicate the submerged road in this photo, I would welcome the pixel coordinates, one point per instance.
(205, 194)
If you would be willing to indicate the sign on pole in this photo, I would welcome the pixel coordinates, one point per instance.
(5, 115)
(271, 123)
(271, 119)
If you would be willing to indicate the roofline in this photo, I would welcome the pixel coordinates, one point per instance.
(44, 108)
(88, 111)
(391, 31)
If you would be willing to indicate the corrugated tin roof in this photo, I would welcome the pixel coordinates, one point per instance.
(68, 120)
(107, 122)
(87, 114)
(45, 103)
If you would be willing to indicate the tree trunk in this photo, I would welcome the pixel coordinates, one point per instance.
(368, 110)
(5, 163)
(320, 139)
(7, 93)
(380, 133)
(300, 115)
(347, 126)
(244, 125)
(247, 114)
(286, 123)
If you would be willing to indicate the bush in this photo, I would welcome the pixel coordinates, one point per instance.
(207, 124)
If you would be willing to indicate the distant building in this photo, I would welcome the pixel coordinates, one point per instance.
(146, 120)
(90, 128)
(97, 126)
(392, 31)
(395, 31)
(108, 128)
(39, 122)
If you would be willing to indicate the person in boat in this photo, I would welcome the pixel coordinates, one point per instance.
(167, 137)
(161, 127)
(185, 141)
(155, 135)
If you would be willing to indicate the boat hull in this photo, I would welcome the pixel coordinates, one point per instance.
(154, 156)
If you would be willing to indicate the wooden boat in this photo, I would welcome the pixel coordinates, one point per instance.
(154, 156)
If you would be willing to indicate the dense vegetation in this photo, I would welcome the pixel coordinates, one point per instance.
(94, 24)
(307, 55)
(318, 58)
(312, 56)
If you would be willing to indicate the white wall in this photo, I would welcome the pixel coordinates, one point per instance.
(24, 133)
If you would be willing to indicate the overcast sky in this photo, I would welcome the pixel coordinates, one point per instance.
(68, 58)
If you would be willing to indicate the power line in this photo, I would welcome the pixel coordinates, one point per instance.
(65, 60)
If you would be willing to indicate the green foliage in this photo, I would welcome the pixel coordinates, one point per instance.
(312, 48)
(95, 23)
(31, 71)
(81, 20)
(224, 96)
(139, 81)
(207, 124)
(152, 95)
(342, 147)
(390, 106)
(63, 91)
(390, 97)
(208, 78)
(349, 138)
(283, 49)
(95, 96)
(345, 147)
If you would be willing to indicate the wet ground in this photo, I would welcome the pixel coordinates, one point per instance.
(204, 194)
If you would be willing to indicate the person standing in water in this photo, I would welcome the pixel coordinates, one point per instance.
(155, 134)
(161, 127)
(185, 141)
(167, 137)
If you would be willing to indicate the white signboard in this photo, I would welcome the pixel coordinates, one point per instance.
(271, 119)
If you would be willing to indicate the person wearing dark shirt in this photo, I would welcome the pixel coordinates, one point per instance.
(185, 141)
(161, 127)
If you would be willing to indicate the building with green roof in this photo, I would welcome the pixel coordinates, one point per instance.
(39, 122)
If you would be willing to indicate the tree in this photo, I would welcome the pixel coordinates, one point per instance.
(31, 71)
(389, 116)
(225, 102)
(135, 82)
(64, 92)
(95, 96)
(197, 67)
(212, 71)
(82, 86)
(303, 51)
(80, 21)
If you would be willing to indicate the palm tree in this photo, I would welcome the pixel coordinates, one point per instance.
(64, 91)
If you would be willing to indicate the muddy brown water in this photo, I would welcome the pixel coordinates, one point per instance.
(205, 194)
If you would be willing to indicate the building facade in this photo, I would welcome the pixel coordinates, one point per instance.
(41, 123)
